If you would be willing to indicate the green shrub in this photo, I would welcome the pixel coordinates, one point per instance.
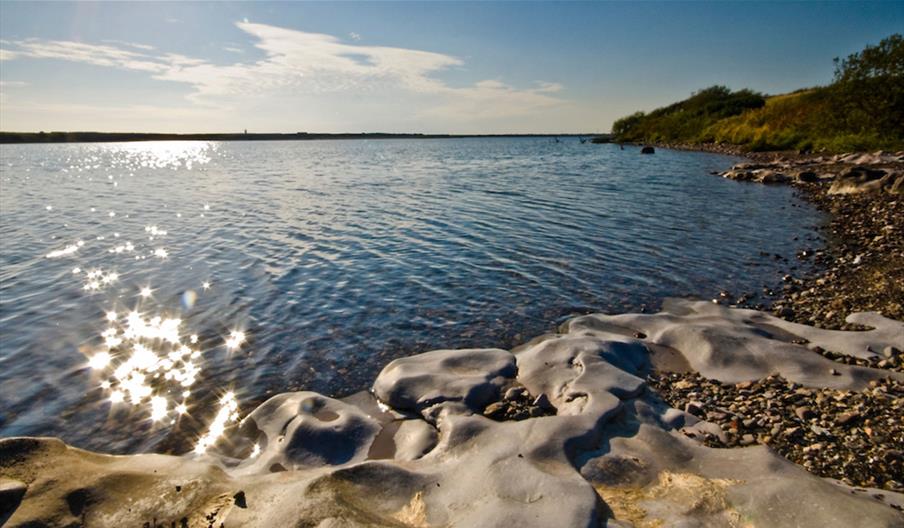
(863, 109)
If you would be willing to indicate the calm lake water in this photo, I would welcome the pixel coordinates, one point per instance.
(332, 258)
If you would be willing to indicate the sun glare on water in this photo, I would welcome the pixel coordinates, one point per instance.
(151, 362)
(146, 358)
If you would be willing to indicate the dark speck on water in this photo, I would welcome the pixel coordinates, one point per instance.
(334, 257)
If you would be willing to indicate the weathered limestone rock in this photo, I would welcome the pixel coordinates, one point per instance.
(460, 381)
(296, 430)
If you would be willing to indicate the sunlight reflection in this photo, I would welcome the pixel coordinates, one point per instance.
(147, 364)
(236, 338)
(143, 359)
(68, 250)
(227, 414)
(154, 231)
(163, 154)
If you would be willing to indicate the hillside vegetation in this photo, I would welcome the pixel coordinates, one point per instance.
(863, 109)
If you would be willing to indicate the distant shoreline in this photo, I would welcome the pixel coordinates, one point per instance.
(109, 137)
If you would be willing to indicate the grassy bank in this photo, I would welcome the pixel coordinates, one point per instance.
(863, 109)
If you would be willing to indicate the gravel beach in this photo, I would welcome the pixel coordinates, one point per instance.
(854, 436)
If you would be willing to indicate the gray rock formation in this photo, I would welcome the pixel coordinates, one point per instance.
(849, 174)
(607, 451)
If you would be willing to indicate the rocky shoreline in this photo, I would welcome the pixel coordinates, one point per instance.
(862, 266)
(856, 437)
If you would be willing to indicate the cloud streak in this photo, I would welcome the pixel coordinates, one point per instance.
(304, 64)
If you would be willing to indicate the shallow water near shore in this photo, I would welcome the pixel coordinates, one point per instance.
(334, 257)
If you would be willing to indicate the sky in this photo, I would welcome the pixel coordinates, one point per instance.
(429, 67)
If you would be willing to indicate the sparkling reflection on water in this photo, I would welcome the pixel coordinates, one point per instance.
(152, 292)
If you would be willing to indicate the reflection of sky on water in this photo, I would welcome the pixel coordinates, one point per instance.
(150, 290)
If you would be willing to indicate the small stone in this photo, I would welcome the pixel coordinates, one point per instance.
(240, 499)
(694, 407)
(846, 418)
(804, 413)
(493, 409)
(748, 439)
(716, 416)
(892, 455)
(519, 415)
(819, 431)
(515, 393)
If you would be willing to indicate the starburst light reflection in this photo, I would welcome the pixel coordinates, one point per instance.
(235, 340)
(228, 413)
(151, 363)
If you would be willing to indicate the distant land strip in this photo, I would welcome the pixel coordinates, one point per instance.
(98, 137)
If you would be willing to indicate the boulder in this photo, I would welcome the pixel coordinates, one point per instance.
(647, 149)
(739, 175)
(770, 176)
(860, 179)
(806, 176)
(463, 380)
(297, 430)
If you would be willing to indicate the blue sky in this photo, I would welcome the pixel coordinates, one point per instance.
(467, 67)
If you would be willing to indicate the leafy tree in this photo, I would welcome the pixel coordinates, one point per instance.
(686, 120)
(868, 90)
(621, 127)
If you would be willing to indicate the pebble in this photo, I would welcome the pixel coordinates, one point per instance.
(804, 413)
(853, 436)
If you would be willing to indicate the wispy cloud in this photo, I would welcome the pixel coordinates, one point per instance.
(129, 44)
(233, 49)
(96, 54)
(354, 36)
(303, 63)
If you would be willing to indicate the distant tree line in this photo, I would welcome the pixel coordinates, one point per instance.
(862, 109)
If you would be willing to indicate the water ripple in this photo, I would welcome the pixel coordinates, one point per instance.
(334, 257)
